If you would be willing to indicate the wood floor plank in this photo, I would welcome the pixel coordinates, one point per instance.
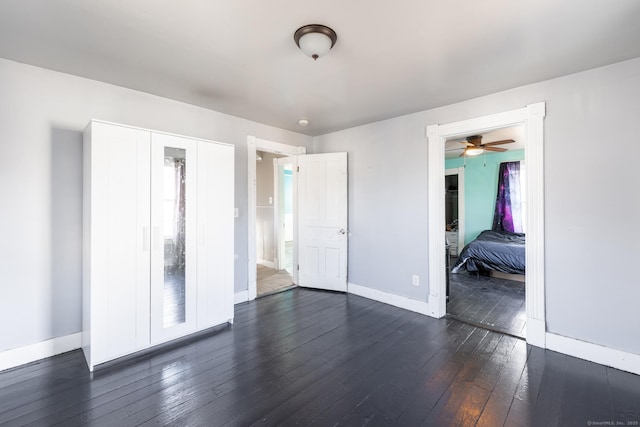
(457, 407)
(306, 357)
(310, 404)
(128, 376)
(497, 303)
(586, 386)
(497, 408)
(625, 395)
(144, 391)
(235, 371)
(279, 391)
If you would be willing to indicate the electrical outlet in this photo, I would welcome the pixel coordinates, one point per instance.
(416, 280)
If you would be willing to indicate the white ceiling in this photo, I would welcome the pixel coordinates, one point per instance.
(391, 58)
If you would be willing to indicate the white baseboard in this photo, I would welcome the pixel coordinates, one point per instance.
(618, 359)
(242, 296)
(266, 263)
(536, 332)
(391, 299)
(31, 353)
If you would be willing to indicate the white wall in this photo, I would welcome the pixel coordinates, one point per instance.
(42, 116)
(592, 250)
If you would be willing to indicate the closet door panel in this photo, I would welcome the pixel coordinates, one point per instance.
(215, 233)
(174, 172)
(120, 216)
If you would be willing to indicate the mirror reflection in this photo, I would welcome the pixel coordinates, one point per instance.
(174, 235)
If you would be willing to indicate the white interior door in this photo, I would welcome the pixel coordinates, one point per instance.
(322, 221)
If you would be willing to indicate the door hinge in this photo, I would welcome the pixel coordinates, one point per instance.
(298, 267)
(298, 169)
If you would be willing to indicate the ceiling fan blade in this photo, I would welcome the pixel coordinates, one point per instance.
(500, 150)
(504, 141)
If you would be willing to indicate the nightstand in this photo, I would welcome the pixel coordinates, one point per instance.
(452, 238)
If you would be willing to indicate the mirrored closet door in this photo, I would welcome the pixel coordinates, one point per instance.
(173, 223)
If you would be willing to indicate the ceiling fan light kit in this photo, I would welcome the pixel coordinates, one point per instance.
(475, 147)
(315, 40)
(473, 151)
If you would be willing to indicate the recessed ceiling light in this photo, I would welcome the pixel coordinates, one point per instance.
(303, 122)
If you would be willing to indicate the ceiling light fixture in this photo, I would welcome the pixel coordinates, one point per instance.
(303, 122)
(473, 151)
(315, 40)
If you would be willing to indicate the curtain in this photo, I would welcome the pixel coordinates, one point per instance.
(179, 215)
(508, 211)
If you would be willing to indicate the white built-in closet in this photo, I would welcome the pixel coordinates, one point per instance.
(158, 238)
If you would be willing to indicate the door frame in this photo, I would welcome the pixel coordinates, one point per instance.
(256, 144)
(461, 213)
(532, 117)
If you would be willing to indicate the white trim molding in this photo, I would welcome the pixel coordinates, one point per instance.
(607, 356)
(391, 299)
(242, 296)
(266, 263)
(31, 353)
(536, 332)
(532, 117)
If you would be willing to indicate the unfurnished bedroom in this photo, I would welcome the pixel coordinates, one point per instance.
(485, 228)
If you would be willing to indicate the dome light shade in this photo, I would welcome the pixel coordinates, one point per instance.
(473, 151)
(315, 40)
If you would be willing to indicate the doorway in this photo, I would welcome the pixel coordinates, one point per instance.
(486, 278)
(320, 217)
(274, 223)
(532, 117)
(254, 146)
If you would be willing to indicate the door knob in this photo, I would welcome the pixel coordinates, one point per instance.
(342, 231)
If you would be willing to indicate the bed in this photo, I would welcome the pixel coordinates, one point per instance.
(493, 251)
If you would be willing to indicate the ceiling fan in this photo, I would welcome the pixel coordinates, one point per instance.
(474, 145)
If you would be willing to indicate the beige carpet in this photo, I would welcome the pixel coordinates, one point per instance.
(271, 280)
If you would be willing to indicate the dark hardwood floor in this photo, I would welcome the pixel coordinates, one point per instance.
(497, 304)
(306, 357)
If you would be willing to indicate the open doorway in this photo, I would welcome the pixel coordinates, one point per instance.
(255, 146)
(532, 117)
(274, 223)
(486, 281)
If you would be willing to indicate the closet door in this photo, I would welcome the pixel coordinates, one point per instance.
(215, 233)
(173, 235)
(116, 246)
